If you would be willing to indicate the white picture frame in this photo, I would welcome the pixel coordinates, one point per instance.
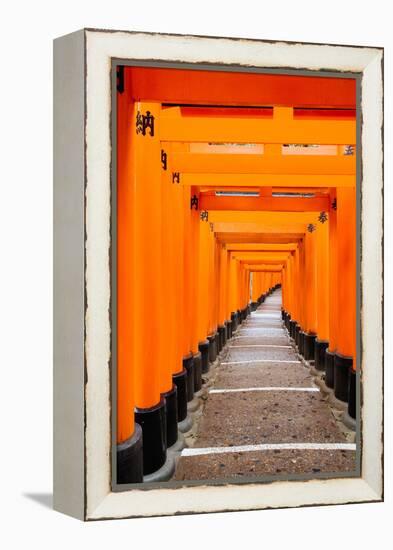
(82, 292)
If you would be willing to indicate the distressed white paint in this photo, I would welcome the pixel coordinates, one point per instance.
(271, 388)
(101, 47)
(371, 269)
(196, 451)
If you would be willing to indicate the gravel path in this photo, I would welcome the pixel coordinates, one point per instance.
(279, 405)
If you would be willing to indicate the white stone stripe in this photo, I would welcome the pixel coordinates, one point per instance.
(259, 346)
(251, 336)
(260, 361)
(261, 328)
(266, 388)
(195, 451)
(254, 333)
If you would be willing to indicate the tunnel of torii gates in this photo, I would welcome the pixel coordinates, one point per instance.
(216, 208)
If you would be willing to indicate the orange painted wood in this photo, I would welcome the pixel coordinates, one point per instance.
(147, 262)
(333, 274)
(256, 130)
(254, 247)
(268, 180)
(125, 312)
(310, 283)
(203, 280)
(211, 202)
(263, 218)
(166, 308)
(222, 288)
(264, 164)
(197, 86)
(322, 279)
(346, 272)
(195, 279)
(188, 303)
(177, 226)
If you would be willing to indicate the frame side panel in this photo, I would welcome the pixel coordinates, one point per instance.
(69, 274)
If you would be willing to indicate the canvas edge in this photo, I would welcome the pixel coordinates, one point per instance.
(68, 274)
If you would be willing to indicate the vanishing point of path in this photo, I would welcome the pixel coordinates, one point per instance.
(262, 413)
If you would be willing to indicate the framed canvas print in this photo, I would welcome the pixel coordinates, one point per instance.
(218, 274)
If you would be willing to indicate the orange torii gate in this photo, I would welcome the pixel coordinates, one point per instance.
(242, 294)
(173, 255)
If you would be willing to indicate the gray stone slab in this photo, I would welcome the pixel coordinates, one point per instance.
(262, 463)
(251, 354)
(262, 323)
(263, 375)
(244, 340)
(264, 417)
(249, 418)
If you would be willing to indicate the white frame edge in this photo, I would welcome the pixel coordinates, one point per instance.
(100, 501)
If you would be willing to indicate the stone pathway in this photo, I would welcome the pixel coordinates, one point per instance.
(262, 412)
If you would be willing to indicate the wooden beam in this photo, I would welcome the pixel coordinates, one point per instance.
(263, 218)
(260, 259)
(259, 238)
(256, 130)
(254, 247)
(262, 267)
(238, 88)
(267, 180)
(276, 229)
(273, 204)
(196, 163)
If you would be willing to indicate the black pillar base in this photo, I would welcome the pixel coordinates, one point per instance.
(292, 325)
(153, 424)
(287, 321)
(329, 368)
(297, 334)
(197, 361)
(228, 324)
(171, 416)
(224, 334)
(204, 349)
(212, 347)
(301, 342)
(283, 312)
(319, 355)
(239, 316)
(217, 343)
(235, 321)
(130, 458)
(218, 340)
(188, 364)
(352, 394)
(254, 306)
(180, 381)
(309, 346)
(342, 368)
(221, 336)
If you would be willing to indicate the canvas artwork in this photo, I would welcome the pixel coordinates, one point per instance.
(219, 216)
